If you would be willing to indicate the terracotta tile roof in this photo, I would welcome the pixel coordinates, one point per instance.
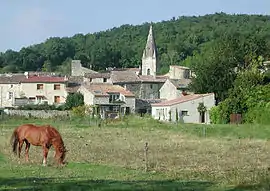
(44, 79)
(100, 89)
(97, 75)
(11, 78)
(181, 99)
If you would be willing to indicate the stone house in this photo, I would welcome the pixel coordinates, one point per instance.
(174, 88)
(111, 100)
(185, 107)
(44, 89)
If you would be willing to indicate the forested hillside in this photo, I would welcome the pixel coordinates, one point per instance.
(177, 40)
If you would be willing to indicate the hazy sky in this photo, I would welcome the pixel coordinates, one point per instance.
(32, 21)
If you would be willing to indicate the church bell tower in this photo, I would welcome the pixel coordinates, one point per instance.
(149, 58)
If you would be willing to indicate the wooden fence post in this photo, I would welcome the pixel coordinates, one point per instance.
(146, 156)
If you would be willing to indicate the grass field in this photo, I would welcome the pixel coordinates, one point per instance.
(111, 157)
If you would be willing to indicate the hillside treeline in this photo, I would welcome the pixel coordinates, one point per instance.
(176, 40)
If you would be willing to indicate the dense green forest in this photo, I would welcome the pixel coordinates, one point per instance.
(176, 39)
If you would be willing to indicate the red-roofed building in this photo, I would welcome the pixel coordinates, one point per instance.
(44, 89)
(185, 108)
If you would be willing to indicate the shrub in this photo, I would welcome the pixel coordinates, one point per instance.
(74, 100)
(82, 110)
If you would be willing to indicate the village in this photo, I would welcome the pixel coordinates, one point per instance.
(115, 91)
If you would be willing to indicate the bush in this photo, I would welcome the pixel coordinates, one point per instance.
(220, 114)
(259, 114)
(82, 111)
(74, 100)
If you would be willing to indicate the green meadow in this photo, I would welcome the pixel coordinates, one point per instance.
(111, 156)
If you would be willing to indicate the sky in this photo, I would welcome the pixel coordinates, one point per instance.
(28, 22)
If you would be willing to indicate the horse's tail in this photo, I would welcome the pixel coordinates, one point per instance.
(14, 141)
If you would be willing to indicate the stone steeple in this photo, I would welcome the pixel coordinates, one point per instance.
(149, 58)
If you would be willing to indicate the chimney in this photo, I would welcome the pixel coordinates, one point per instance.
(26, 74)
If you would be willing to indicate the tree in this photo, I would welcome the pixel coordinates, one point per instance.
(123, 46)
(214, 67)
(74, 100)
(47, 66)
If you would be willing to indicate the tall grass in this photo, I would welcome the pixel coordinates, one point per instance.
(251, 131)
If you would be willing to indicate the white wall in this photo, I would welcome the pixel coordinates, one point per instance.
(30, 90)
(149, 63)
(189, 106)
(88, 97)
(168, 91)
(161, 113)
(4, 92)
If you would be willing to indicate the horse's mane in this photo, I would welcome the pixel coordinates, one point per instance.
(56, 136)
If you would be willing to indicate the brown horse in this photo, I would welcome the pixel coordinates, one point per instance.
(45, 136)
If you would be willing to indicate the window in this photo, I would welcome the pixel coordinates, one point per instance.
(39, 86)
(114, 97)
(90, 80)
(56, 87)
(10, 95)
(151, 86)
(56, 99)
(39, 99)
(104, 79)
(148, 71)
(184, 113)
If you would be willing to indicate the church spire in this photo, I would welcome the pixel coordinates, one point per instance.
(149, 58)
(150, 48)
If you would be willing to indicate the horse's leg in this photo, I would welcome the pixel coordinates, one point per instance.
(27, 147)
(20, 147)
(45, 154)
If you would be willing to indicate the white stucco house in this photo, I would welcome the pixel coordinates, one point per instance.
(111, 100)
(10, 89)
(44, 89)
(184, 108)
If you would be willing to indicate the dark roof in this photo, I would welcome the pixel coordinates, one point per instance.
(124, 76)
(11, 78)
(75, 79)
(97, 75)
(180, 83)
(74, 82)
(130, 76)
(158, 79)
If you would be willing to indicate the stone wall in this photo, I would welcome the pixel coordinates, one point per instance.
(38, 113)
